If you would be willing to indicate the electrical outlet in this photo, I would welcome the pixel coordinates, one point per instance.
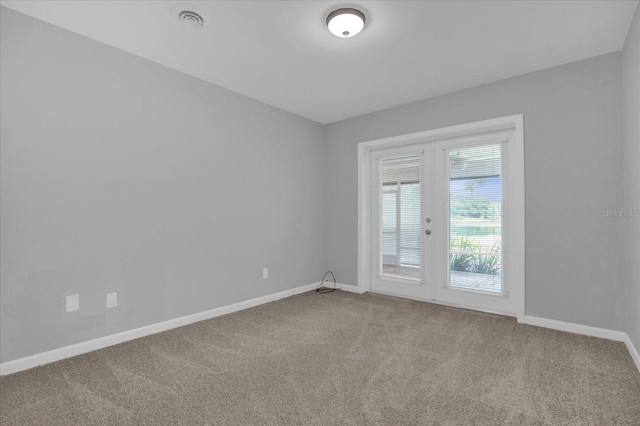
(112, 300)
(265, 273)
(73, 303)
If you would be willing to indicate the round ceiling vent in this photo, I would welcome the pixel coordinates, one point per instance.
(190, 16)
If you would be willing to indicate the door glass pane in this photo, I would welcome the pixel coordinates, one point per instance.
(400, 217)
(475, 218)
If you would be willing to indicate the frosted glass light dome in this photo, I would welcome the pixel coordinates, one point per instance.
(345, 23)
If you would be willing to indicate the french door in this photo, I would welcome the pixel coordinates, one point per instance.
(441, 221)
(402, 201)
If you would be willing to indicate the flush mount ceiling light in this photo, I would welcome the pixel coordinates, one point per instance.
(345, 23)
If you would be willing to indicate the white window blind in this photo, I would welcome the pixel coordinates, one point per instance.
(478, 204)
(400, 216)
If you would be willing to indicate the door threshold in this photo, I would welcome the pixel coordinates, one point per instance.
(451, 305)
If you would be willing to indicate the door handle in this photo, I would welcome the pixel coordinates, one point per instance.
(427, 232)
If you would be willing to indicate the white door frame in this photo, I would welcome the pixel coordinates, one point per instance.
(516, 256)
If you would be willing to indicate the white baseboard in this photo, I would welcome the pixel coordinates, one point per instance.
(349, 288)
(91, 345)
(602, 333)
(344, 287)
(633, 351)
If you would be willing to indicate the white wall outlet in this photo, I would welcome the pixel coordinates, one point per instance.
(265, 273)
(73, 303)
(112, 300)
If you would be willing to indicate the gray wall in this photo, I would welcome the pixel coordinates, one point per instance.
(573, 163)
(631, 149)
(120, 175)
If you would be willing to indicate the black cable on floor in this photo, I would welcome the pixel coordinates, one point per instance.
(322, 289)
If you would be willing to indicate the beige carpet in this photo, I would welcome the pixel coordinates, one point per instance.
(337, 358)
